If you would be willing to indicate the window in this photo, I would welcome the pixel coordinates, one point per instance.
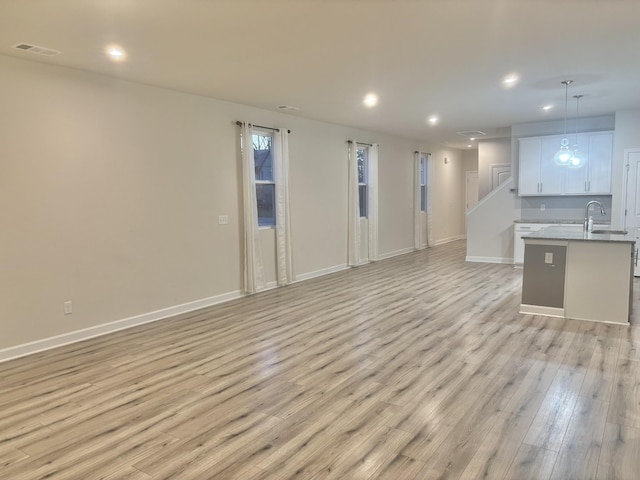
(363, 167)
(265, 184)
(423, 183)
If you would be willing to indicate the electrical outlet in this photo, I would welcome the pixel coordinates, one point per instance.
(223, 220)
(68, 307)
(543, 207)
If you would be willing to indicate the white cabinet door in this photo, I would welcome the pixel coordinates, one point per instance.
(529, 173)
(576, 179)
(551, 175)
(518, 243)
(600, 158)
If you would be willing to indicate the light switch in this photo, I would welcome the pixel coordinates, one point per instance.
(223, 220)
(548, 257)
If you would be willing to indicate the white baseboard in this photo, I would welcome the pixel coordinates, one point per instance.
(99, 330)
(396, 253)
(269, 286)
(320, 273)
(442, 241)
(540, 310)
(489, 259)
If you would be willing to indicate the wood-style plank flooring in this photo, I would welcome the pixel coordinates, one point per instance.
(416, 367)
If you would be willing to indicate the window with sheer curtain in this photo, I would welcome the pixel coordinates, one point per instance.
(265, 184)
(362, 200)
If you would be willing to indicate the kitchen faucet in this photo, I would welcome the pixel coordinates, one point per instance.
(586, 213)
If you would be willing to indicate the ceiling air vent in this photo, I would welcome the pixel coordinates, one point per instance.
(27, 47)
(288, 108)
(472, 134)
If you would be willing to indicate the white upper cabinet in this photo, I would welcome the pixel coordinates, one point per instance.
(600, 158)
(550, 174)
(529, 172)
(539, 175)
(575, 179)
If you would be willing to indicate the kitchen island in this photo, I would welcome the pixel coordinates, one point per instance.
(570, 273)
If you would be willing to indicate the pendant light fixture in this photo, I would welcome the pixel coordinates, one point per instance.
(563, 155)
(577, 159)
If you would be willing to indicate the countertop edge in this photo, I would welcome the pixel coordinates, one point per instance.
(571, 234)
(559, 222)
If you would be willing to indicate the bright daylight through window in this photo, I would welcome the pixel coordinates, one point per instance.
(423, 183)
(265, 184)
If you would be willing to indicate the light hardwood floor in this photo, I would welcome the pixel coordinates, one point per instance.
(416, 367)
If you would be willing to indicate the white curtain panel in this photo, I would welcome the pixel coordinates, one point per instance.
(417, 212)
(254, 278)
(354, 207)
(429, 169)
(373, 202)
(284, 256)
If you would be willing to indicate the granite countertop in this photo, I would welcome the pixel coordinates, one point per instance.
(569, 222)
(577, 233)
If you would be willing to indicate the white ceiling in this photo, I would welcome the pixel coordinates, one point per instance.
(422, 57)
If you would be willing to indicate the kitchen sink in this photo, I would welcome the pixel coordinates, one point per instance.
(611, 232)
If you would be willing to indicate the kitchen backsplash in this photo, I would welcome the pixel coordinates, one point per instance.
(564, 208)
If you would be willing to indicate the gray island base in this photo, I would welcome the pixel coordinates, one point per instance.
(569, 273)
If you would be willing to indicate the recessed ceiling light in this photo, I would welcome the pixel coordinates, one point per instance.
(370, 100)
(472, 138)
(546, 108)
(116, 54)
(469, 146)
(433, 120)
(510, 80)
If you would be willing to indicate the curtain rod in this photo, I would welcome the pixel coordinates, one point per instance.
(361, 143)
(417, 151)
(261, 126)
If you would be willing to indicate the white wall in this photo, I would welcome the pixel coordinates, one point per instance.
(448, 195)
(470, 159)
(111, 191)
(490, 152)
(490, 226)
